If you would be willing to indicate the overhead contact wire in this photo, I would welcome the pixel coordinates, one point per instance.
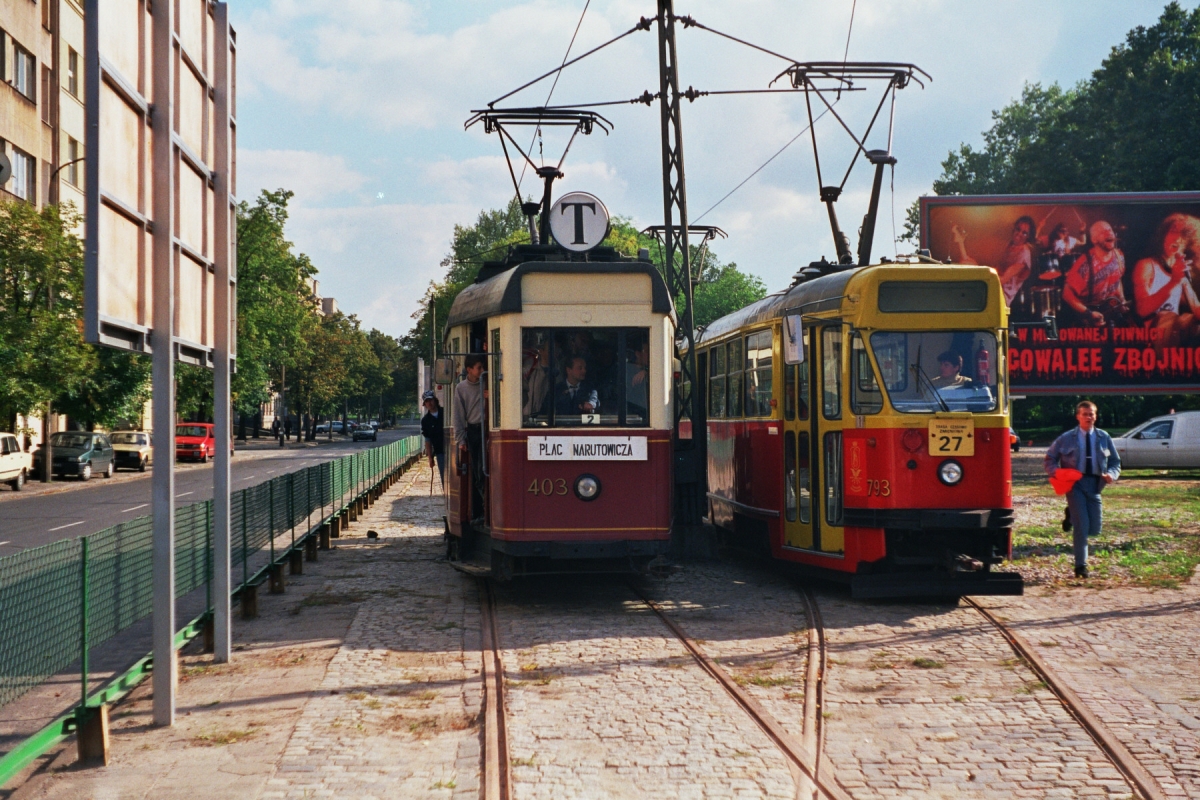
(760, 168)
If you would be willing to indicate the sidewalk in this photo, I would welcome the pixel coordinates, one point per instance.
(361, 681)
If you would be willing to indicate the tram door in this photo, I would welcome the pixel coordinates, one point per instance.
(827, 364)
(799, 528)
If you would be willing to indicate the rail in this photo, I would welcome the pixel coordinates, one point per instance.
(60, 601)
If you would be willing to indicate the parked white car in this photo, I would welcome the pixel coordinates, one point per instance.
(1170, 442)
(15, 463)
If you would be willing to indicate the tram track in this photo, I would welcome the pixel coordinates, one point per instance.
(497, 776)
(803, 754)
(1116, 751)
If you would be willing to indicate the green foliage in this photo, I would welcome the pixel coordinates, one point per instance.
(275, 300)
(115, 389)
(42, 354)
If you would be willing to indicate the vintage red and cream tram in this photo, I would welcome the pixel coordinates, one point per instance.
(858, 428)
(577, 454)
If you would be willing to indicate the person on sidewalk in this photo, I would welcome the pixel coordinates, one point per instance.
(1089, 450)
(468, 426)
(433, 426)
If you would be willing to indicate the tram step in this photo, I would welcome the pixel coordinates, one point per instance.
(471, 568)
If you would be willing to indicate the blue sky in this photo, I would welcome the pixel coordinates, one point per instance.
(358, 107)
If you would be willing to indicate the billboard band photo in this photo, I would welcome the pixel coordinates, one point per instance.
(1123, 267)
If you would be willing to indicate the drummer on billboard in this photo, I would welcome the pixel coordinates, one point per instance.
(1093, 287)
(1162, 282)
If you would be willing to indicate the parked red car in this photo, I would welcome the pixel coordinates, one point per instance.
(196, 441)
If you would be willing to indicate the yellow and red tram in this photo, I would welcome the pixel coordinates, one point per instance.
(577, 454)
(858, 427)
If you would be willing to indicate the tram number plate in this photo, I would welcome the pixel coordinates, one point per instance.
(952, 437)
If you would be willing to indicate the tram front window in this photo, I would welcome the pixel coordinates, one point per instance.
(929, 371)
(572, 377)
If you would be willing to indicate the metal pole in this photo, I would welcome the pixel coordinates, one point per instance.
(690, 458)
(208, 557)
(163, 389)
(223, 350)
(83, 621)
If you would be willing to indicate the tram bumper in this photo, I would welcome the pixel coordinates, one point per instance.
(936, 584)
(558, 550)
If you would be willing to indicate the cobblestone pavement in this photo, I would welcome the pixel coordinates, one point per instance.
(397, 712)
(1133, 656)
(929, 701)
(603, 702)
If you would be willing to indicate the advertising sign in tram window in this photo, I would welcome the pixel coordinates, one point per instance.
(1118, 273)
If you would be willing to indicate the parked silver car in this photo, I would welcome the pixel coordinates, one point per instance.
(1166, 442)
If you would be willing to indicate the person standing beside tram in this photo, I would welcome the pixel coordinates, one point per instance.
(1089, 450)
(468, 426)
(433, 426)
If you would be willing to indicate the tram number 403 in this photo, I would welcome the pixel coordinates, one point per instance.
(952, 437)
(546, 487)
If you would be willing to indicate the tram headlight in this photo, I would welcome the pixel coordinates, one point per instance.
(587, 487)
(950, 472)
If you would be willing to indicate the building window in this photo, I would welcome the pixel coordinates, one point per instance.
(24, 72)
(47, 106)
(72, 169)
(24, 177)
(72, 71)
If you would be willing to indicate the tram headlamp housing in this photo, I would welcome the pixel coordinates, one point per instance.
(587, 487)
(950, 472)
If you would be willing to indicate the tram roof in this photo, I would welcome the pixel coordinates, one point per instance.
(501, 292)
(816, 295)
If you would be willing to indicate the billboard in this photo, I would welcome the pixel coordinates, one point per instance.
(121, 178)
(1118, 274)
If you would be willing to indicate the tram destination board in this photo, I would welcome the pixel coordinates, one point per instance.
(122, 176)
(1117, 274)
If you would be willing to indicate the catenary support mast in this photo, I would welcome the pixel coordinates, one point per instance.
(690, 456)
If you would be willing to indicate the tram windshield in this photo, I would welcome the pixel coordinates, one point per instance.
(573, 377)
(929, 371)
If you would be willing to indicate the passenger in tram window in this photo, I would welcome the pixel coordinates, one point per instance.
(575, 395)
(637, 387)
(536, 377)
(950, 372)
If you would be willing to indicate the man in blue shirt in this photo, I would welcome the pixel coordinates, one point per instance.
(1090, 450)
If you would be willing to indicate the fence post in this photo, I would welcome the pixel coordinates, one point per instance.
(271, 517)
(292, 505)
(208, 555)
(245, 545)
(83, 622)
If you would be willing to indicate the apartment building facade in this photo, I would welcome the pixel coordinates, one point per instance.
(41, 100)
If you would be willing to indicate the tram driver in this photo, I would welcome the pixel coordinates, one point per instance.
(950, 372)
(576, 395)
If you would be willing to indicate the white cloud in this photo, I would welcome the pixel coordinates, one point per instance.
(312, 176)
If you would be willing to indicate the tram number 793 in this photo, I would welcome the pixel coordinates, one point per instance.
(547, 487)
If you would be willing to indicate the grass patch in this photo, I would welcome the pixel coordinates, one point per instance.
(927, 663)
(221, 738)
(522, 762)
(450, 784)
(321, 599)
(958, 698)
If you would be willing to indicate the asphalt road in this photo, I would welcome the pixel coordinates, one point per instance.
(68, 508)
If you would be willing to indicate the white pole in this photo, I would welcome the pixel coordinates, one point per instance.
(163, 375)
(222, 413)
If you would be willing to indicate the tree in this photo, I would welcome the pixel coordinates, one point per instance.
(42, 354)
(275, 300)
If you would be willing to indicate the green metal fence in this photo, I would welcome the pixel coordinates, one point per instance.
(59, 601)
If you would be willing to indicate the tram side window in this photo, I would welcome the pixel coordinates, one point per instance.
(759, 365)
(831, 372)
(716, 382)
(735, 378)
(865, 397)
(585, 376)
(789, 391)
